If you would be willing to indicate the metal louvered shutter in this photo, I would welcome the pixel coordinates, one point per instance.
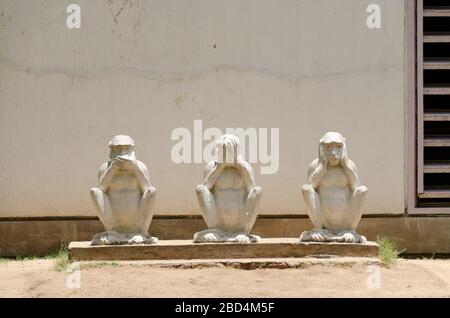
(433, 103)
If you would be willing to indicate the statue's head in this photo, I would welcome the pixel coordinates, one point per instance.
(332, 148)
(121, 145)
(228, 148)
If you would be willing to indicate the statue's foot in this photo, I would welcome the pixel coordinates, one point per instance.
(352, 237)
(244, 238)
(209, 237)
(319, 236)
(142, 239)
(316, 235)
(217, 236)
(116, 238)
(323, 235)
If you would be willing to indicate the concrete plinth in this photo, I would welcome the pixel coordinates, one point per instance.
(186, 249)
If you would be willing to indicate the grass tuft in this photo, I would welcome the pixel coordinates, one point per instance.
(98, 264)
(61, 259)
(388, 251)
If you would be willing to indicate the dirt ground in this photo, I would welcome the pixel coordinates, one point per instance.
(407, 278)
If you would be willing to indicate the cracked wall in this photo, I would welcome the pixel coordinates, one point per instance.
(146, 67)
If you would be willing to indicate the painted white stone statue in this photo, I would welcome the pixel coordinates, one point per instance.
(124, 197)
(228, 196)
(333, 194)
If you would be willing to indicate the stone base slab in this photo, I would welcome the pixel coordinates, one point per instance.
(186, 249)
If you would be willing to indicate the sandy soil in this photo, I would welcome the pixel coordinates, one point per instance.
(408, 278)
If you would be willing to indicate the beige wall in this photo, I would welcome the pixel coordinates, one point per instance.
(304, 67)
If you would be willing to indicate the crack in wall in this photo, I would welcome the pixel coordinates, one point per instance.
(178, 76)
(116, 17)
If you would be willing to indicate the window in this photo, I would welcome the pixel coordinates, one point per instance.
(433, 105)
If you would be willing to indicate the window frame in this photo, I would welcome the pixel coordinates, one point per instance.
(414, 166)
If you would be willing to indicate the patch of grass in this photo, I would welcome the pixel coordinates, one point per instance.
(94, 265)
(61, 259)
(25, 258)
(262, 265)
(388, 252)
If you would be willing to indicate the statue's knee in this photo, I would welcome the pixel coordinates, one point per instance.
(95, 190)
(201, 189)
(360, 192)
(307, 189)
(96, 193)
(256, 193)
(150, 192)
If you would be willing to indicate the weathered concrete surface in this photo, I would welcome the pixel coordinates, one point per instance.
(160, 65)
(415, 234)
(246, 263)
(186, 249)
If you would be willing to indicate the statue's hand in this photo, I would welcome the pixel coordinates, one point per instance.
(233, 163)
(318, 173)
(241, 163)
(344, 160)
(321, 168)
(360, 190)
(115, 165)
(220, 165)
(228, 164)
(125, 163)
(323, 164)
